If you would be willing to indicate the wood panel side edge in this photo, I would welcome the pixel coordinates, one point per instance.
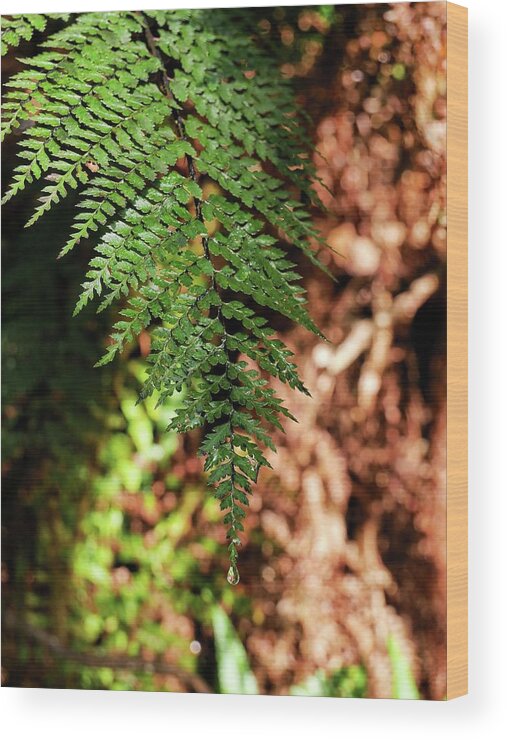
(457, 351)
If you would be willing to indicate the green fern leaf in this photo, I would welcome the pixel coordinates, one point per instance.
(179, 139)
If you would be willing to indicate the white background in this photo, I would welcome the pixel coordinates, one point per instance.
(79, 714)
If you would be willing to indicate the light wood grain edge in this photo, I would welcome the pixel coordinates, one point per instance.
(457, 351)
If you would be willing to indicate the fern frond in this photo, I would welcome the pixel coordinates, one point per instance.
(180, 139)
(16, 29)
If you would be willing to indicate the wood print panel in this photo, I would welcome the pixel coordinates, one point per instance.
(260, 215)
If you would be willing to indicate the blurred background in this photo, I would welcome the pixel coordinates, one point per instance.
(113, 563)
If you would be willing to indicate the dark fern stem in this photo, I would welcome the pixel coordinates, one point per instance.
(117, 101)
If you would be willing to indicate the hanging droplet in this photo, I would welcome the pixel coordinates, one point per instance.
(233, 575)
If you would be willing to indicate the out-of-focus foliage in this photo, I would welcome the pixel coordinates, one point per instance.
(113, 556)
(236, 677)
(99, 505)
(347, 683)
(404, 685)
(234, 674)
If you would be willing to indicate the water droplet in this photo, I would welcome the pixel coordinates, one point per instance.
(233, 575)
